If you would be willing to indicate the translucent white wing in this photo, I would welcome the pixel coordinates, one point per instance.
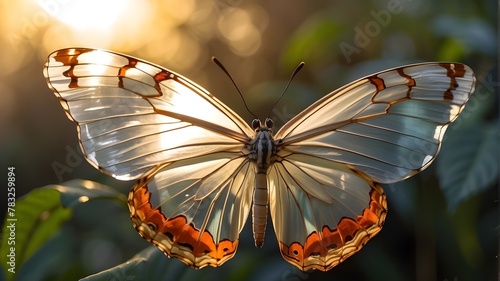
(138, 120)
(132, 115)
(325, 201)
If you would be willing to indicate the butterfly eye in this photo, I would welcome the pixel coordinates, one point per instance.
(269, 123)
(256, 124)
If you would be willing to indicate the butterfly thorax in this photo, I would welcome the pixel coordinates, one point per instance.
(263, 147)
(263, 150)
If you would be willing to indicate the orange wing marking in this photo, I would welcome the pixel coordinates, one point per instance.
(325, 250)
(175, 236)
(377, 82)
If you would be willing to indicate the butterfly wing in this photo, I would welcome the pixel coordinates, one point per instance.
(322, 212)
(136, 120)
(194, 209)
(379, 129)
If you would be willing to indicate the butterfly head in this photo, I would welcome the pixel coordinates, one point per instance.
(257, 125)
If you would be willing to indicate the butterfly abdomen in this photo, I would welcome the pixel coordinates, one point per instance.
(259, 209)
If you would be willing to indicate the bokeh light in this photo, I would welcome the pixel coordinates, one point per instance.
(87, 14)
(238, 29)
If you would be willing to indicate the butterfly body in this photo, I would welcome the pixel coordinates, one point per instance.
(263, 155)
(201, 169)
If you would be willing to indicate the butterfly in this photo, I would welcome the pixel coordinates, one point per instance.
(201, 169)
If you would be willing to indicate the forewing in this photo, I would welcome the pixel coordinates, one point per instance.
(194, 209)
(389, 125)
(132, 115)
(323, 212)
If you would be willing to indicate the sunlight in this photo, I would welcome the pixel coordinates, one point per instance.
(100, 14)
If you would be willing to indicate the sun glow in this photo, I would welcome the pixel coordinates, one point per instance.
(101, 14)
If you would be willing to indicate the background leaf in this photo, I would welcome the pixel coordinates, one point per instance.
(41, 242)
(468, 162)
(52, 259)
(39, 216)
(151, 264)
(76, 192)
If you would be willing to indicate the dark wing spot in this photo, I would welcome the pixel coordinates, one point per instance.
(152, 226)
(332, 246)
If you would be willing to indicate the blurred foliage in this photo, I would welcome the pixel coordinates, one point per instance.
(47, 249)
(475, 168)
(442, 224)
(38, 217)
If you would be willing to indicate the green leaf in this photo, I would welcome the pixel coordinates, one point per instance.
(152, 264)
(38, 216)
(468, 162)
(76, 192)
(52, 259)
(149, 264)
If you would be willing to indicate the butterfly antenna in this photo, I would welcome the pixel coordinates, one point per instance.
(297, 69)
(219, 64)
